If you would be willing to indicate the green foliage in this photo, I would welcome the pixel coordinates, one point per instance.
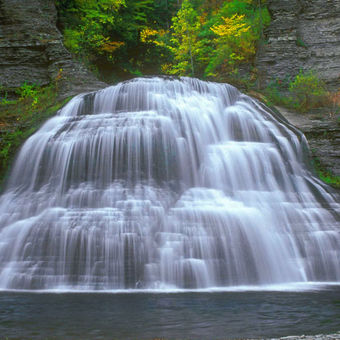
(22, 117)
(93, 20)
(325, 175)
(26, 91)
(72, 40)
(277, 93)
(303, 93)
(238, 28)
(184, 40)
(300, 43)
(201, 38)
(3, 96)
(87, 25)
(213, 41)
(308, 91)
(106, 34)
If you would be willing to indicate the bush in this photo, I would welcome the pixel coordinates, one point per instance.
(308, 91)
(277, 93)
(27, 91)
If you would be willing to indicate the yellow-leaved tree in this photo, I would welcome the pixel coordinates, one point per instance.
(234, 43)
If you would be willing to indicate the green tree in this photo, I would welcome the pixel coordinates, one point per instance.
(202, 38)
(238, 28)
(88, 33)
(184, 40)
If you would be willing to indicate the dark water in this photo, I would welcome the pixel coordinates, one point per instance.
(171, 316)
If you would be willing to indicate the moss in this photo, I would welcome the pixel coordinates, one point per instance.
(20, 118)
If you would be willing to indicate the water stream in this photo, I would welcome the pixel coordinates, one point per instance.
(163, 184)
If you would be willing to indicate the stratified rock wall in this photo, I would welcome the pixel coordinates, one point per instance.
(323, 137)
(303, 34)
(31, 49)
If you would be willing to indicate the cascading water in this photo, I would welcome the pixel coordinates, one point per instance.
(158, 183)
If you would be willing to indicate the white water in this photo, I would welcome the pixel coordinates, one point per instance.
(166, 184)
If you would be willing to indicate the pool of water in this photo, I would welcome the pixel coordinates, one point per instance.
(191, 315)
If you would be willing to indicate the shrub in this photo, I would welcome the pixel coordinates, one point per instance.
(304, 92)
(277, 92)
(307, 91)
(27, 91)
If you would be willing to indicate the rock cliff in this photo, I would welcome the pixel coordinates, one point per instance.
(323, 137)
(303, 34)
(31, 49)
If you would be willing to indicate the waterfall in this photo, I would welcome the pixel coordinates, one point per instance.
(160, 183)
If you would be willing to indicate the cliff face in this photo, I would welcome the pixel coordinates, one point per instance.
(31, 49)
(303, 34)
(323, 137)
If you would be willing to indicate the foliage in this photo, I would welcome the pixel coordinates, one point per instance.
(29, 91)
(22, 117)
(277, 93)
(308, 91)
(212, 41)
(3, 96)
(304, 92)
(201, 38)
(325, 175)
(234, 43)
(93, 20)
(238, 31)
(106, 35)
(184, 39)
(300, 43)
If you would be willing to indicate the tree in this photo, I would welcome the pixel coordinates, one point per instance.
(184, 40)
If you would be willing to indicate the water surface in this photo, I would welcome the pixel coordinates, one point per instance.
(224, 315)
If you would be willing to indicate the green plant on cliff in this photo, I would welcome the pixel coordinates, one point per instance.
(22, 117)
(308, 91)
(326, 175)
(29, 91)
(304, 92)
(237, 32)
(276, 93)
(4, 96)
